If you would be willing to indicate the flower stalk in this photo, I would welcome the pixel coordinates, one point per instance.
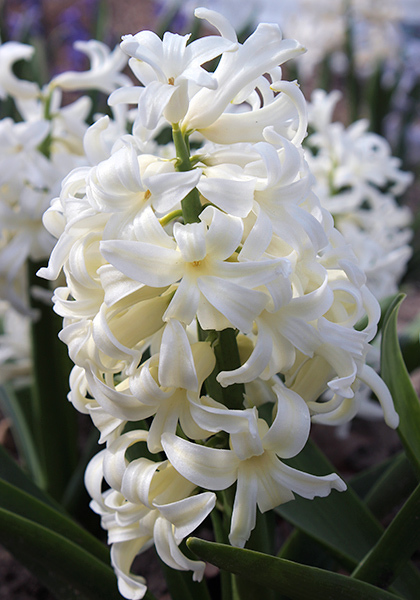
(191, 204)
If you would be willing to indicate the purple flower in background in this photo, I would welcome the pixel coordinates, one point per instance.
(23, 19)
(171, 15)
(76, 22)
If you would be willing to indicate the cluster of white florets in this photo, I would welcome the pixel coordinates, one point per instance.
(374, 28)
(203, 285)
(37, 150)
(358, 181)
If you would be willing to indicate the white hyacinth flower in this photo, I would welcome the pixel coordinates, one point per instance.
(105, 73)
(358, 181)
(205, 280)
(38, 151)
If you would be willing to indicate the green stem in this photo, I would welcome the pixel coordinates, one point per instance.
(175, 214)
(227, 359)
(225, 346)
(395, 547)
(191, 204)
(220, 533)
(353, 89)
(45, 145)
(261, 540)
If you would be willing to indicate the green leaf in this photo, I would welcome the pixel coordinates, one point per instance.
(24, 505)
(22, 434)
(75, 499)
(298, 582)
(363, 482)
(395, 547)
(392, 487)
(395, 375)
(341, 522)
(54, 418)
(303, 549)
(220, 529)
(385, 303)
(182, 587)
(69, 571)
(12, 473)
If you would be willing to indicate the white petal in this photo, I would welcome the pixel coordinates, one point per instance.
(165, 420)
(187, 514)
(263, 50)
(306, 485)
(206, 467)
(121, 405)
(244, 507)
(345, 412)
(137, 480)
(169, 552)
(168, 189)
(238, 304)
(184, 304)
(255, 364)
(258, 238)
(94, 477)
(217, 20)
(115, 462)
(153, 101)
(191, 240)
(147, 263)
(234, 196)
(379, 388)
(215, 417)
(289, 431)
(130, 586)
(11, 52)
(176, 363)
(224, 232)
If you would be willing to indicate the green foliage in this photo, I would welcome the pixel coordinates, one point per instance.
(395, 375)
(298, 582)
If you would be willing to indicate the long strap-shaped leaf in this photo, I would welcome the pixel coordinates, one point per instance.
(12, 473)
(22, 433)
(395, 547)
(54, 419)
(396, 377)
(68, 570)
(341, 522)
(182, 587)
(24, 505)
(298, 582)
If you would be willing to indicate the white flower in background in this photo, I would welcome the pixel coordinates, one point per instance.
(10, 85)
(38, 152)
(375, 27)
(15, 347)
(358, 181)
(105, 73)
(169, 254)
(320, 28)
